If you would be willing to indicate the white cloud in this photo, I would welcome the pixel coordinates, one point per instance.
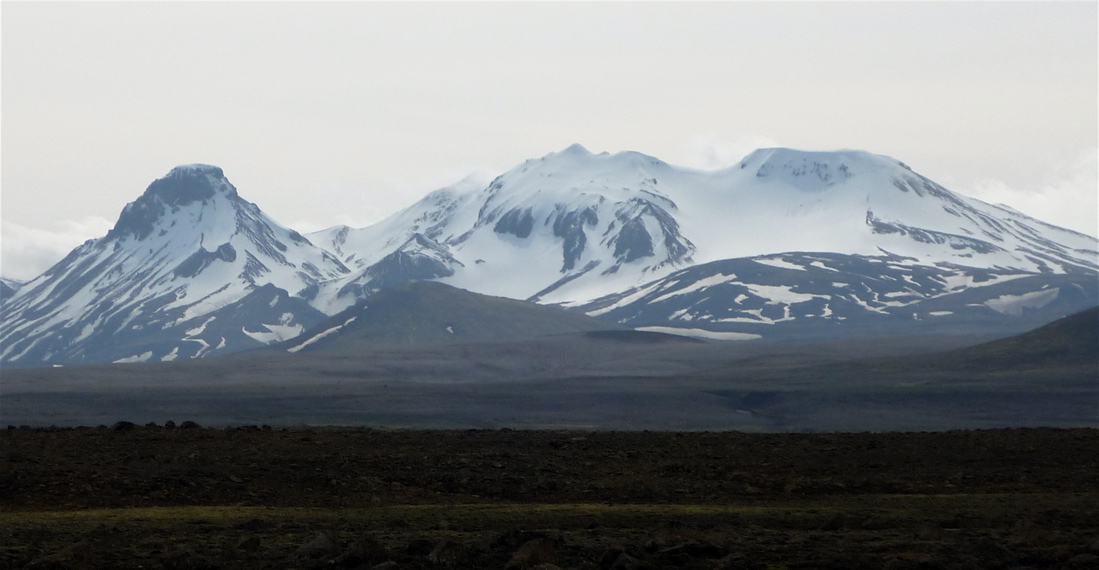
(711, 152)
(1068, 196)
(361, 208)
(26, 252)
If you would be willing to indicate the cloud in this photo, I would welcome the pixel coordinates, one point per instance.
(361, 207)
(710, 152)
(1067, 196)
(26, 252)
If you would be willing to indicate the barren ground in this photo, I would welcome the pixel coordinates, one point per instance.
(151, 497)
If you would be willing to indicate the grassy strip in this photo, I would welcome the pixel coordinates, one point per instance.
(896, 505)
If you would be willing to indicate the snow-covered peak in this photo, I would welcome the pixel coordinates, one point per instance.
(574, 177)
(576, 149)
(817, 170)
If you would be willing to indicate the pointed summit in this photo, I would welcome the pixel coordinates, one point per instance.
(190, 182)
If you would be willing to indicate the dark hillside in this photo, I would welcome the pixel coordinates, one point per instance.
(1066, 348)
(430, 313)
(1069, 342)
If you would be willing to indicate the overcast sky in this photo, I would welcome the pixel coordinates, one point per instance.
(325, 114)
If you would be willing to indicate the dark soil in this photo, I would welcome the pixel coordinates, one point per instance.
(253, 497)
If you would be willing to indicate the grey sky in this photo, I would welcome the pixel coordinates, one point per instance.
(345, 112)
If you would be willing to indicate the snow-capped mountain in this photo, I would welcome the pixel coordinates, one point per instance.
(190, 269)
(575, 226)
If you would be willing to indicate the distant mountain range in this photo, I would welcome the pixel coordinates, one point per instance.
(784, 245)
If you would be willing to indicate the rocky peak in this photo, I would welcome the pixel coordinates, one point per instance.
(182, 186)
(190, 183)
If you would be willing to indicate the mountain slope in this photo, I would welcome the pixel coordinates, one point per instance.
(825, 295)
(164, 281)
(427, 313)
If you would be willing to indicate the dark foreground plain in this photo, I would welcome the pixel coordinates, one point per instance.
(254, 497)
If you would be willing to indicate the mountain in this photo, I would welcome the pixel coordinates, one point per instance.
(190, 269)
(599, 232)
(427, 313)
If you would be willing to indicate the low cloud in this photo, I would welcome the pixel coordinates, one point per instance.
(26, 252)
(362, 208)
(710, 152)
(1067, 197)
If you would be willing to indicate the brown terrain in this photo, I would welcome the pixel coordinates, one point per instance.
(257, 497)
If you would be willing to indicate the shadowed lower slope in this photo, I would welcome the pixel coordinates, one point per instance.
(429, 313)
(1069, 342)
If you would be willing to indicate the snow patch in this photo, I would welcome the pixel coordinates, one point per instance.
(780, 263)
(205, 346)
(276, 333)
(780, 294)
(200, 328)
(697, 286)
(320, 335)
(1015, 304)
(966, 281)
(171, 355)
(143, 357)
(624, 301)
(821, 265)
(701, 333)
(758, 321)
